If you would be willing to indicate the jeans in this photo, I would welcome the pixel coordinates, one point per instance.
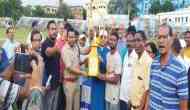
(110, 106)
(124, 105)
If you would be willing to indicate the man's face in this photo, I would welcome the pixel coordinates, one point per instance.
(103, 40)
(113, 42)
(36, 41)
(52, 31)
(11, 33)
(164, 40)
(139, 43)
(61, 29)
(187, 39)
(71, 38)
(82, 41)
(130, 41)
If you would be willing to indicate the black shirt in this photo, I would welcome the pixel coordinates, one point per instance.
(52, 66)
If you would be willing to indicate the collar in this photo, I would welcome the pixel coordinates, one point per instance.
(51, 41)
(171, 56)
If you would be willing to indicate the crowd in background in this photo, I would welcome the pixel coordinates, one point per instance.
(137, 74)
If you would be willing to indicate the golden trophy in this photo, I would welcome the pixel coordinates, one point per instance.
(93, 59)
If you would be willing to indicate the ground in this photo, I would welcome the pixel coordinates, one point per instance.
(20, 35)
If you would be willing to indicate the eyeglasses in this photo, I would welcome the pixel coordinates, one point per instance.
(163, 36)
(36, 40)
(53, 28)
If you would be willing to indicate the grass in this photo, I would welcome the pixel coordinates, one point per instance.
(21, 34)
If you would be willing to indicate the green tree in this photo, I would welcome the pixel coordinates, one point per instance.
(38, 11)
(131, 8)
(27, 11)
(64, 11)
(84, 13)
(112, 7)
(11, 8)
(155, 7)
(167, 6)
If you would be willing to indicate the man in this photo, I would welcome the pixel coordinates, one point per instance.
(140, 72)
(35, 26)
(70, 57)
(51, 56)
(129, 58)
(62, 34)
(10, 44)
(113, 74)
(36, 39)
(60, 42)
(168, 80)
(11, 92)
(186, 50)
(4, 62)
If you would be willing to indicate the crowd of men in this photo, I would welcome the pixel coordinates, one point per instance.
(138, 74)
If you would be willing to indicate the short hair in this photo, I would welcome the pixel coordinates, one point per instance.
(77, 33)
(50, 22)
(186, 32)
(115, 34)
(8, 29)
(176, 45)
(153, 48)
(169, 27)
(34, 23)
(71, 30)
(33, 33)
(143, 35)
(67, 26)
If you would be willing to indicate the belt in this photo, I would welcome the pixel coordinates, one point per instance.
(70, 79)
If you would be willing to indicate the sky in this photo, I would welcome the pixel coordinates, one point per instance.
(53, 2)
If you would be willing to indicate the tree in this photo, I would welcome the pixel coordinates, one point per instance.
(38, 11)
(167, 6)
(131, 8)
(112, 7)
(11, 8)
(27, 11)
(64, 11)
(155, 7)
(84, 13)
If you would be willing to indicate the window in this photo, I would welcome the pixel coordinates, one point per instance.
(186, 19)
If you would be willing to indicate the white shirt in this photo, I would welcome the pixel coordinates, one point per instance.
(185, 61)
(127, 75)
(10, 47)
(14, 92)
(114, 64)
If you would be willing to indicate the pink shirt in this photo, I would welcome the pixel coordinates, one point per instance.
(60, 42)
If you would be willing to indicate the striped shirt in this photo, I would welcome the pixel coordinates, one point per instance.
(168, 85)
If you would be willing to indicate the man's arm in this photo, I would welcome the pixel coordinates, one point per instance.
(145, 101)
(184, 105)
(50, 51)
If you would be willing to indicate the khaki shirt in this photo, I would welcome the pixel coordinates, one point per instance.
(70, 57)
(140, 78)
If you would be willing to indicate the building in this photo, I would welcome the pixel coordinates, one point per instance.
(179, 19)
(96, 9)
(77, 12)
(145, 5)
(52, 10)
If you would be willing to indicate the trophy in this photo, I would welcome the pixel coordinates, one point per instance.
(93, 59)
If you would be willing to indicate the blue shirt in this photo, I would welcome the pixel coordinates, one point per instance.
(52, 64)
(9, 47)
(102, 52)
(4, 62)
(168, 85)
(121, 46)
